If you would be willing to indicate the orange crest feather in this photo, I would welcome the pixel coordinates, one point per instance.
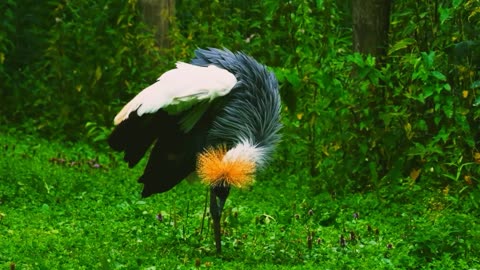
(213, 170)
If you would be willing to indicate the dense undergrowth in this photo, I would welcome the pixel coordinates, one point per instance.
(67, 67)
(70, 206)
(378, 167)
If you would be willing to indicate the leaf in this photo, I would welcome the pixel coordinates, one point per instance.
(402, 44)
(370, 61)
(457, 3)
(428, 58)
(475, 84)
(415, 173)
(98, 73)
(476, 157)
(408, 130)
(120, 19)
(438, 75)
(443, 135)
(428, 91)
(473, 13)
(468, 179)
(280, 74)
(445, 14)
(448, 109)
(293, 78)
(357, 59)
(446, 190)
(422, 125)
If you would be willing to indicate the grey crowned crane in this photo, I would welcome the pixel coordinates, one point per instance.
(218, 116)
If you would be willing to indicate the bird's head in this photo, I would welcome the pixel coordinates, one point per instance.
(222, 168)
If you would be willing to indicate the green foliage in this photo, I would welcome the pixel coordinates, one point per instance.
(7, 24)
(403, 134)
(85, 60)
(362, 124)
(441, 120)
(357, 123)
(60, 204)
(350, 122)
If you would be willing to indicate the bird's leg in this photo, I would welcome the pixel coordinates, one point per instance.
(216, 208)
(216, 215)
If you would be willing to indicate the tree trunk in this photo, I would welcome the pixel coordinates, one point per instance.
(371, 19)
(157, 14)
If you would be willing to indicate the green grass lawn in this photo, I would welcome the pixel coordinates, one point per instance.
(68, 206)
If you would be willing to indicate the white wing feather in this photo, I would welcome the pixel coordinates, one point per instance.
(185, 83)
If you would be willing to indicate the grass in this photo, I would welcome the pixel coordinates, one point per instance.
(69, 206)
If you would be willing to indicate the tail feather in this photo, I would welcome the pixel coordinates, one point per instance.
(166, 167)
(135, 135)
(173, 156)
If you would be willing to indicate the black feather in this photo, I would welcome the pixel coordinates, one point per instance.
(136, 134)
(170, 162)
(174, 154)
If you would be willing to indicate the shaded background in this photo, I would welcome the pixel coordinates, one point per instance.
(373, 91)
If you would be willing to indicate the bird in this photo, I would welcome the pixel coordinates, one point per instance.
(217, 117)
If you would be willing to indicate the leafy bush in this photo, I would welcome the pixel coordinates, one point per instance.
(355, 123)
(363, 124)
(62, 203)
(6, 44)
(90, 55)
